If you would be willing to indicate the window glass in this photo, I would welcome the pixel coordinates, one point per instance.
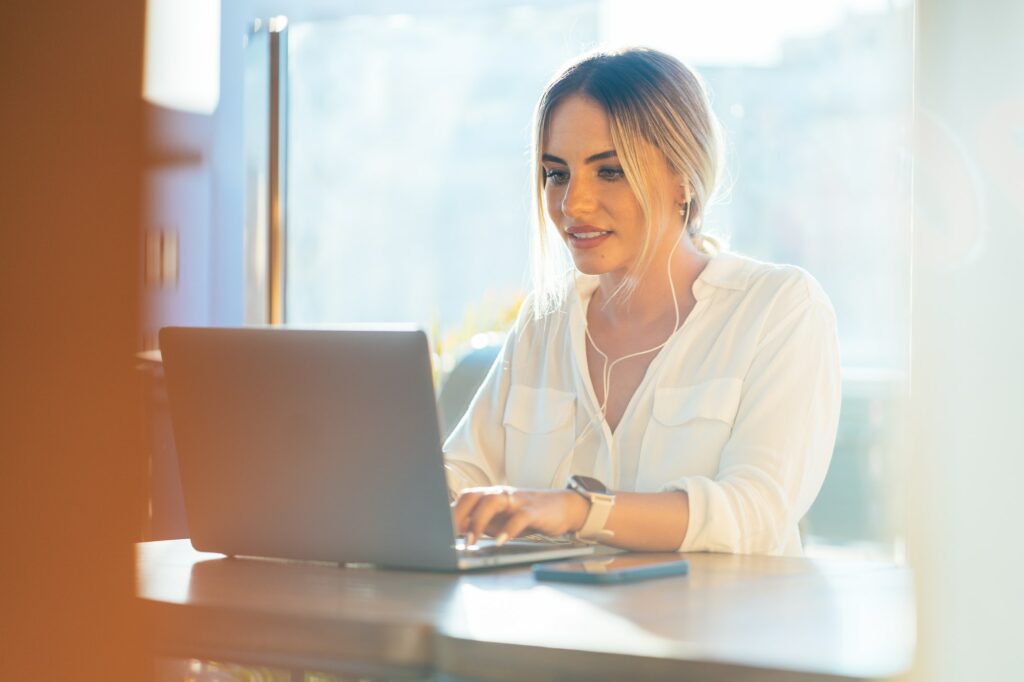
(408, 163)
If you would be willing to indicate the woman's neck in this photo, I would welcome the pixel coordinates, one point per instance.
(651, 301)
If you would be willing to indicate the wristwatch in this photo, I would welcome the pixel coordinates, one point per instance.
(601, 502)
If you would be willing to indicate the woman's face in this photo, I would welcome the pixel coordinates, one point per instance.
(586, 193)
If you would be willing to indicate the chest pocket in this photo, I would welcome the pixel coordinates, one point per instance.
(540, 431)
(688, 428)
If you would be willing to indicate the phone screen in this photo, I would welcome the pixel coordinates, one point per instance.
(618, 568)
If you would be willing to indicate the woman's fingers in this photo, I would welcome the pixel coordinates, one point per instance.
(504, 513)
(490, 506)
(514, 526)
(463, 508)
(466, 502)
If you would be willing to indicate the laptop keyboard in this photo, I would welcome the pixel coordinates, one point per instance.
(522, 545)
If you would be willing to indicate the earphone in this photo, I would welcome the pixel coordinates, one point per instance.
(606, 373)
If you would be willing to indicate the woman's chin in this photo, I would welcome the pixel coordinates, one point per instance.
(588, 267)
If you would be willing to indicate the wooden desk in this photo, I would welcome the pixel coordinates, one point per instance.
(732, 618)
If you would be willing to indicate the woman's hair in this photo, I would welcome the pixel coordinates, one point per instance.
(654, 103)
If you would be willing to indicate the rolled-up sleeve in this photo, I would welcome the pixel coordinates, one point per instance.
(778, 452)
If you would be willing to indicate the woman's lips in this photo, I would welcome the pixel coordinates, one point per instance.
(587, 237)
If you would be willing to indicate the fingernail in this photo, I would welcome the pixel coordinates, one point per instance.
(470, 539)
(501, 539)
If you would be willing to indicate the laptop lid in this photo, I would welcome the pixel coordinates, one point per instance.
(310, 444)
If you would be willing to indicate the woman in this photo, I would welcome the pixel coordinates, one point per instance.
(668, 396)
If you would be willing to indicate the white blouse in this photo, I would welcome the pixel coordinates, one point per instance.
(739, 409)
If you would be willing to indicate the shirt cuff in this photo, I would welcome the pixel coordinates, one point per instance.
(698, 511)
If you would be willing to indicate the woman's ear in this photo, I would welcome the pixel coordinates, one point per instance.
(683, 193)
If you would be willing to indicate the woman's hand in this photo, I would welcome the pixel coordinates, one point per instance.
(504, 512)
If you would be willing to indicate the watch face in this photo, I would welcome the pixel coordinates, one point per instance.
(591, 485)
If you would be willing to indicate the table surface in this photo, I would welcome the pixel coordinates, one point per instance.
(733, 617)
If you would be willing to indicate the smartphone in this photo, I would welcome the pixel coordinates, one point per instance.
(624, 568)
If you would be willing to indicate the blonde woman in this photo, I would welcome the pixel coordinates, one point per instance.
(665, 395)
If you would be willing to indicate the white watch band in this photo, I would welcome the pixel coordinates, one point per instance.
(593, 527)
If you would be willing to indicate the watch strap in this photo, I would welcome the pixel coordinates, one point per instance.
(593, 526)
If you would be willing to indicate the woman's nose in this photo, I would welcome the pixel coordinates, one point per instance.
(578, 199)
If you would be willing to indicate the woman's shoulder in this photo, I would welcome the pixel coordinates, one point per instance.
(545, 312)
(767, 283)
(540, 319)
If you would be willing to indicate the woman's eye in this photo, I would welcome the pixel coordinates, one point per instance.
(558, 177)
(611, 173)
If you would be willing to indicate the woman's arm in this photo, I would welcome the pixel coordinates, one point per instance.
(654, 522)
(776, 458)
(474, 453)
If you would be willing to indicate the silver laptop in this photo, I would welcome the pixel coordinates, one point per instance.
(318, 445)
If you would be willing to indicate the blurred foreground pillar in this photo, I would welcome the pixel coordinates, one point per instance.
(71, 472)
(967, 470)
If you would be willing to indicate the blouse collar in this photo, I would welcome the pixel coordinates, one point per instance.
(723, 271)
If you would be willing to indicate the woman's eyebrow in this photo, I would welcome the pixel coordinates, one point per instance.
(590, 159)
(610, 154)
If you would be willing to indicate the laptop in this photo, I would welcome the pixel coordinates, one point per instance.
(319, 445)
